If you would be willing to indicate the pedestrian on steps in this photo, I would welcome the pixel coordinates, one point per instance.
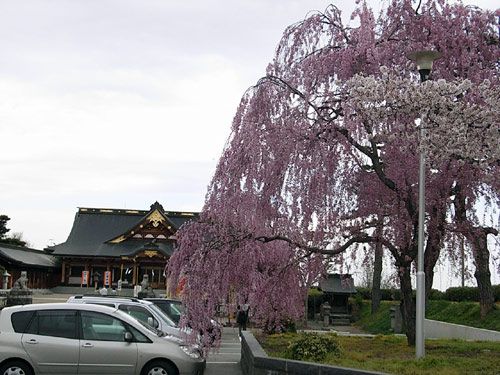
(241, 319)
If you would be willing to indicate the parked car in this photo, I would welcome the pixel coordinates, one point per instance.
(62, 338)
(174, 309)
(142, 310)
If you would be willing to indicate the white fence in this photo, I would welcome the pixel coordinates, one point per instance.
(440, 330)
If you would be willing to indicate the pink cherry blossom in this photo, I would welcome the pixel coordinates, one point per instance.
(326, 146)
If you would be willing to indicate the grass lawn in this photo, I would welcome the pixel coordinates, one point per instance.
(465, 313)
(391, 354)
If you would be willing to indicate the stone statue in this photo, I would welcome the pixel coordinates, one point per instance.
(22, 282)
(145, 283)
(20, 294)
(146, 289)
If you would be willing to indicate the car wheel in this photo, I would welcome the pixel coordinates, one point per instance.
(159, 368)
(15, 368)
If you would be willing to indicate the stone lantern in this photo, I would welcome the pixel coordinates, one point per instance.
(5, 280)
(326, 309)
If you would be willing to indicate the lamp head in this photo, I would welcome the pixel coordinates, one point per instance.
(424, 60)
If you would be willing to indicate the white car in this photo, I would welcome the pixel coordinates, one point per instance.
(142, 310)
(61, 338)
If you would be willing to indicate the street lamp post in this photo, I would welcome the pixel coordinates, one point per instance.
(424, 60)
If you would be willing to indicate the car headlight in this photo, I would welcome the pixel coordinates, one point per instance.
(191, 351)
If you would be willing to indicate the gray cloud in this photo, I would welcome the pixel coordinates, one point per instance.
(118, 103)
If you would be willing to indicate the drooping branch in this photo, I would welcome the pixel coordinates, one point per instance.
(320, 110)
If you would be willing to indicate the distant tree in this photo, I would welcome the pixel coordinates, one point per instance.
(15, 239)
(3, 226)
(326, 143)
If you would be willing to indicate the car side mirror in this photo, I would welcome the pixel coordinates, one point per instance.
(128, 337)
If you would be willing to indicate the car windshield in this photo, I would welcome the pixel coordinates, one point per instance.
(173, 309)
(163, 315)
(176, 310)
(152, 329)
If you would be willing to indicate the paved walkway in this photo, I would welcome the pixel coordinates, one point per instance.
(227, 360)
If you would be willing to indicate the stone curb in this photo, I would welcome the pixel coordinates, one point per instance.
(255, 361)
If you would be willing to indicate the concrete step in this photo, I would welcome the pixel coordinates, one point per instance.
(340, 319)
(340, 316)
(340, 322)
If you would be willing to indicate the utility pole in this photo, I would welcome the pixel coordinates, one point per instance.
(462, 253)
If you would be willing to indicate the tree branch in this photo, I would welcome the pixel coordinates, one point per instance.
(360, 238)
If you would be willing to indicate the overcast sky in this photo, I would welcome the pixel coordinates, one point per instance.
(119, 103)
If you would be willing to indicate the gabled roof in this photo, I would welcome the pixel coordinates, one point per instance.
(338, 284)
(155, 221)
(22, 256)
(94, 230)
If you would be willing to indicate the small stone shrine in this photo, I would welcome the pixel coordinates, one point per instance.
(337, 289)
(20, 294)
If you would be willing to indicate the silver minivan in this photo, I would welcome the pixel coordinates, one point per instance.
(60, 338)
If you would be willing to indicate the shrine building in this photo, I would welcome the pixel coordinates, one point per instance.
(127, 243)
(42, 268)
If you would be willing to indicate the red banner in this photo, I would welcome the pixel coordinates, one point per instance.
(85, 278)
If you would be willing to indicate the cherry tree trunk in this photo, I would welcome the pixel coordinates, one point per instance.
(433, 246)
(479, 243)
(377, 276)
(306, 307)
(477, 236)
(408, 303)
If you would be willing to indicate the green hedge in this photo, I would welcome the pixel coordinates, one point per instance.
(469, 294)
(460, 294)
(387, 294)
(457, 294)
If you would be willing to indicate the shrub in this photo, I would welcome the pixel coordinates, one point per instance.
(313, 347)
(289, 326)
(437, 295)
(386, 294)
(391, 294)
(365, 293)
(462, 294)
(286, 325)
(467, 293)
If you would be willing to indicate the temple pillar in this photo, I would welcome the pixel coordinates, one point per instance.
(134, 274)
(63, 272)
